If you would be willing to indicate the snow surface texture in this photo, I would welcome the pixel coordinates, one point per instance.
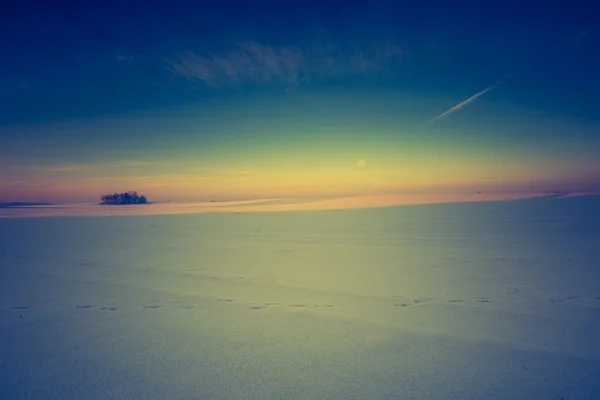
(271, 205)
(497, 300)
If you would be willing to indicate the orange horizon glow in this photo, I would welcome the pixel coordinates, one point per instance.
(162, 182)
(263, 205)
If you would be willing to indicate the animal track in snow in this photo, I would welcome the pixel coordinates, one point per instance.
(407, 302)
(19, 307)
(423, 300)
(563, 299)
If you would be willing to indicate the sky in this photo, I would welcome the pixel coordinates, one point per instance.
(236, 101)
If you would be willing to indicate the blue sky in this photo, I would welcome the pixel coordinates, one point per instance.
(178, 88)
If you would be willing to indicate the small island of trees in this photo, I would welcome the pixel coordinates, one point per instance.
(123, 198)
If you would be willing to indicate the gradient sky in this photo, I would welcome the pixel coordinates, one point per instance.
(300, 99)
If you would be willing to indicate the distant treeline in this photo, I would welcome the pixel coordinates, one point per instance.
(123, 198)
(16, 204)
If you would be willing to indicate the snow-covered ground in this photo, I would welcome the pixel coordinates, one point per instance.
(265, 205)
(489, 300)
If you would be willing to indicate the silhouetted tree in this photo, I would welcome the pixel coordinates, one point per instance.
(123, 198)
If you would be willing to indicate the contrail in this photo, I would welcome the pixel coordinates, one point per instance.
(462, 103)
(577, 37)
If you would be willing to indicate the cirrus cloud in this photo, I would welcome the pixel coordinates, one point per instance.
(253, 62)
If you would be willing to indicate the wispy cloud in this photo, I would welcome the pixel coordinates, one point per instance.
(59, 168)
(17, 182)
(257, 63)
(122, 57)
(581, 35)
(131, 163)
(90, 167)
(463, 103)
(160, 177)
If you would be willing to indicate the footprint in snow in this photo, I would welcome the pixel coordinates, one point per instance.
(423, 300)
(20, 308)
(563, 299)
(401, 301)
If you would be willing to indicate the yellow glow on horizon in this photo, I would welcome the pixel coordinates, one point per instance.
(264, 205)
(247, 180)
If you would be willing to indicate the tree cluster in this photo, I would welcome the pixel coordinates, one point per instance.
(123, 198)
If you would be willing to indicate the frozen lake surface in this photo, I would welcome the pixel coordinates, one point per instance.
(490, 300)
